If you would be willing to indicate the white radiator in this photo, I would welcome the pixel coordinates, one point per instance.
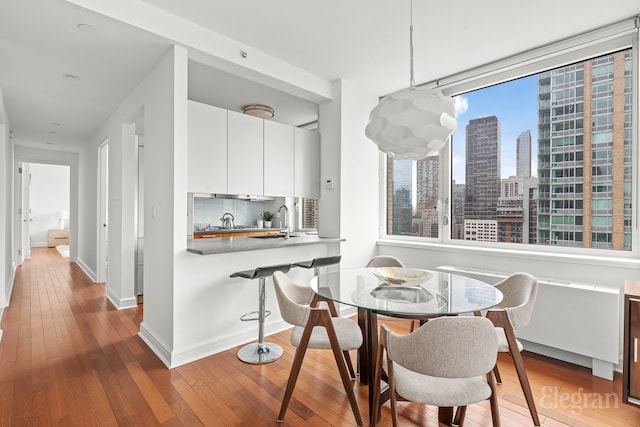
(578, 318)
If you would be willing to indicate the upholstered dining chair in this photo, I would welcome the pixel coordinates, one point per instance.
(315, 328)
(442, 363)
(519, 296)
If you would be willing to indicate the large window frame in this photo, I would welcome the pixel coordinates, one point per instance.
(616, 37)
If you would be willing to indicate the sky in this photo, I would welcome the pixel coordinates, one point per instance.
(515, 104)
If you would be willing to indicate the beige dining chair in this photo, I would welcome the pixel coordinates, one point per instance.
(519, 296)
(442, 363)
(315, 328)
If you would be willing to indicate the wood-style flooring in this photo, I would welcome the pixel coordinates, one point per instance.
(68, 358)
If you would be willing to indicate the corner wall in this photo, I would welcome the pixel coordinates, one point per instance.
(350, 209)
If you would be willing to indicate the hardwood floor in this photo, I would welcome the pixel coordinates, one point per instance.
(68, 358)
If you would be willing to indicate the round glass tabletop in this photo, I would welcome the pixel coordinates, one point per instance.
(406, 292)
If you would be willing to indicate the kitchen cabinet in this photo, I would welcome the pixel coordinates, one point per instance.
(631, 362)
(307, 163)
(245, 154)
(207, 149)
(278, 159)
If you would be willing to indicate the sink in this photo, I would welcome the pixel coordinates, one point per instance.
(271, 236)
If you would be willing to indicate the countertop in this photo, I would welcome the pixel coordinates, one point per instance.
(240, 244)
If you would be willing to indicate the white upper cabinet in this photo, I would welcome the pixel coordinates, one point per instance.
(207, 149)
(245, 154)
(278, 159)
(307, 163)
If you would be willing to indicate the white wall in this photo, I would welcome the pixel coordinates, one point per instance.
(350, 159)
(49, 196)
(153, 103)
(7, 261)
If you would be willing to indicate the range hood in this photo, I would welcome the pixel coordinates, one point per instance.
(248, 197)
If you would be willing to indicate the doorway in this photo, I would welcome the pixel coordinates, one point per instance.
(44, 208)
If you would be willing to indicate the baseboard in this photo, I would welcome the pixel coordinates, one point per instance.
(157, 346)
(224, 343)
(7, 296)
(89, 272)
(121, 303)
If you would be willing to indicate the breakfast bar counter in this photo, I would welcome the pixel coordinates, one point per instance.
(241, 244)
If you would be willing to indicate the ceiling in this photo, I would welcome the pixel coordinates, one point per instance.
(365, 41)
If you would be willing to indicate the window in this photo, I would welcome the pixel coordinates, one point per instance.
(502, 187)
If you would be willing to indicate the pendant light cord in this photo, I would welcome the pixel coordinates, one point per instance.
(412, 82)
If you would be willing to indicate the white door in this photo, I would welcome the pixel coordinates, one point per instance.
(103, 213)
(26, 211)
(23, 216)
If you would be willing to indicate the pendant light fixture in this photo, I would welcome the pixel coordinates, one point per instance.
(413, 122)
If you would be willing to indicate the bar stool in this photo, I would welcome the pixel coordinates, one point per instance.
(261, 351)
(316, 263)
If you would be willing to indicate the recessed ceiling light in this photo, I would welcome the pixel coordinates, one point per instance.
(53, 131)
(55, 124)
(49, 143)
(86, 28)
(70, 76)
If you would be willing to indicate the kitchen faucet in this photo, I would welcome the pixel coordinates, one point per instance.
(286, 220)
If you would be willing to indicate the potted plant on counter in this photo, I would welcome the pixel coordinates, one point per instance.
(267, 216)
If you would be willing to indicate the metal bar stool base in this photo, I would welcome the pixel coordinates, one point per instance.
(258, 354)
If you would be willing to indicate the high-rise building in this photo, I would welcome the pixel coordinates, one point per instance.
(516, 210)
(523, 154)
(482, 173)
(457, 227)
(427, 182)
(584, 153)
(399, 216)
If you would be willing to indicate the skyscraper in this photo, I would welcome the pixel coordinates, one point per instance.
(523, 154)
(584, 153)
(482, 176)
(399, 217)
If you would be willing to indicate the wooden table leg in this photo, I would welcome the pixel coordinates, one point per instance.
(362, 351)
(372, 347)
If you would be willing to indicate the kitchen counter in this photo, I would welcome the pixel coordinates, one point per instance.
(240, 244)
(236, 231)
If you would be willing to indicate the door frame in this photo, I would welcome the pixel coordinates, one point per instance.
(103, 213)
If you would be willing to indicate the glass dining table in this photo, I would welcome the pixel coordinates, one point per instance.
(427, 294)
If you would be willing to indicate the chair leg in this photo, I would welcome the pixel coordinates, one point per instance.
(323, 318)
(496, 372)
(493, 401)
(347, 359)
(458, 420)
(500, 319)
(376, 388)
(526, 387)
(295, 371)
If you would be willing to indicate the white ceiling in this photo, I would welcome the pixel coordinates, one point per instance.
(361, 40)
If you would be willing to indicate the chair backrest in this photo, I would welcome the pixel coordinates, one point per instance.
(385, 261)
(519, 297)
(446, 347)
(293, 299)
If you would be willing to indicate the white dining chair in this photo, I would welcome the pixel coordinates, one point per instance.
(442, 363)
(315, 328)
(519, 296)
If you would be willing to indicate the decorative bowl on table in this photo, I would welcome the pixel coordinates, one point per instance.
(401, 276)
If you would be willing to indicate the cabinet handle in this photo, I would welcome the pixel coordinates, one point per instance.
(635, 349)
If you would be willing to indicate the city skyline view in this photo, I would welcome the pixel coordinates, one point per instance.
(517, 111)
